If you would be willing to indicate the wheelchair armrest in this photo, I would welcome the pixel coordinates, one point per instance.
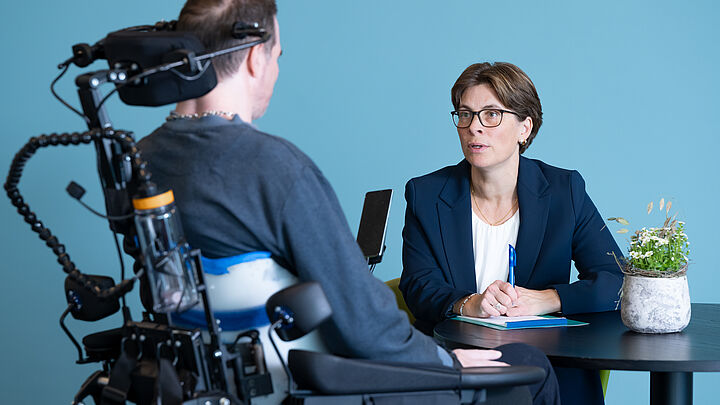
(488, 377)
(330, 374)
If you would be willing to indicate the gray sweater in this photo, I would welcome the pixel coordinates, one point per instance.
(239, 190)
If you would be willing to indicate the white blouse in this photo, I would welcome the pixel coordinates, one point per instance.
(490, 248)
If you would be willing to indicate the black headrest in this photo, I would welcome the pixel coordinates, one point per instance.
(138, 50)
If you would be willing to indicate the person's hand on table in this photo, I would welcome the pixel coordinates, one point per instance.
(501, 298)
(495, 301)
(535, 302)
(478, 358)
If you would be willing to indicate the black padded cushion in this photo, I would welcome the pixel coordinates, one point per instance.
(103, 345)
(148, 50)
(329, 374)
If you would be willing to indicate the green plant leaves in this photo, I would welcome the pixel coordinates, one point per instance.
(663, 250)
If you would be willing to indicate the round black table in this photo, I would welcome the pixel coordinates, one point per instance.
(606, 343)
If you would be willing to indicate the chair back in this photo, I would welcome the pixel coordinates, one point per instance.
(239, 287)
(394, 286)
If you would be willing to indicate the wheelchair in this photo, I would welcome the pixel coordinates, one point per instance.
(315, 378)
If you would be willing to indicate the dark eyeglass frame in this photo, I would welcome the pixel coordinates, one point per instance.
(477, 113)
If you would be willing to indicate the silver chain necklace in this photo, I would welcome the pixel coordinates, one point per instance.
(174, 115)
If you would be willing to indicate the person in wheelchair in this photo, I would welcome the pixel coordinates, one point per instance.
(265, 217)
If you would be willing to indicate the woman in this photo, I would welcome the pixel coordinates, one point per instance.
(461, 219)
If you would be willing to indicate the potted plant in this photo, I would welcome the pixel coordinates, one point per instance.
(655, 296)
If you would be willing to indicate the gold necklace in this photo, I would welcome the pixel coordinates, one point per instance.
(496, 223)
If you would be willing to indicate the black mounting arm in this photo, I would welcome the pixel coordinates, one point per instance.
(114, 166)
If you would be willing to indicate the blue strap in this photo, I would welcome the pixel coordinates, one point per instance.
(220, 266)
(229, 320)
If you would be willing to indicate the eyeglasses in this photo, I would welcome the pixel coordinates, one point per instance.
(489, 118)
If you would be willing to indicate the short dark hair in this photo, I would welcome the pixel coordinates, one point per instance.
(513, 88)
(212, 20)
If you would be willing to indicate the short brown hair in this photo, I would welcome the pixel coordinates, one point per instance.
(212, 20)
(513, 88)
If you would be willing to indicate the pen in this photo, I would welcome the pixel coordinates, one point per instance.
(512, 259)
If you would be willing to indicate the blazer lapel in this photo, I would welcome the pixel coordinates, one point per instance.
(456, 227)
(534, 202)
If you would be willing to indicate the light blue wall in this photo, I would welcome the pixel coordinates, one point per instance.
(629, 91)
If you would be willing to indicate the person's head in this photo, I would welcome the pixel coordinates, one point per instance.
(495, 86)
(212, 20)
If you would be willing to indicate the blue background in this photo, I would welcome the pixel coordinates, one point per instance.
(628, 89)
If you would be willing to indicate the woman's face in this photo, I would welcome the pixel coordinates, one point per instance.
(487, 148)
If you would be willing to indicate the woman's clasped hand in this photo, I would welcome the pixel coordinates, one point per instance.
(501, 298)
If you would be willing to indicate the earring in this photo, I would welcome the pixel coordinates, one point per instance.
(523, 142)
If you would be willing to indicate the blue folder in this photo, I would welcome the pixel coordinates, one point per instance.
(547, 321)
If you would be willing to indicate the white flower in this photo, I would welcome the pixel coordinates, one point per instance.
(644, 238)
(660, 241)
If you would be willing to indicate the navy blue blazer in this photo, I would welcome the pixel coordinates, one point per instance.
(558, 223)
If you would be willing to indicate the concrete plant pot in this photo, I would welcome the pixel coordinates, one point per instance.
(655, 305)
